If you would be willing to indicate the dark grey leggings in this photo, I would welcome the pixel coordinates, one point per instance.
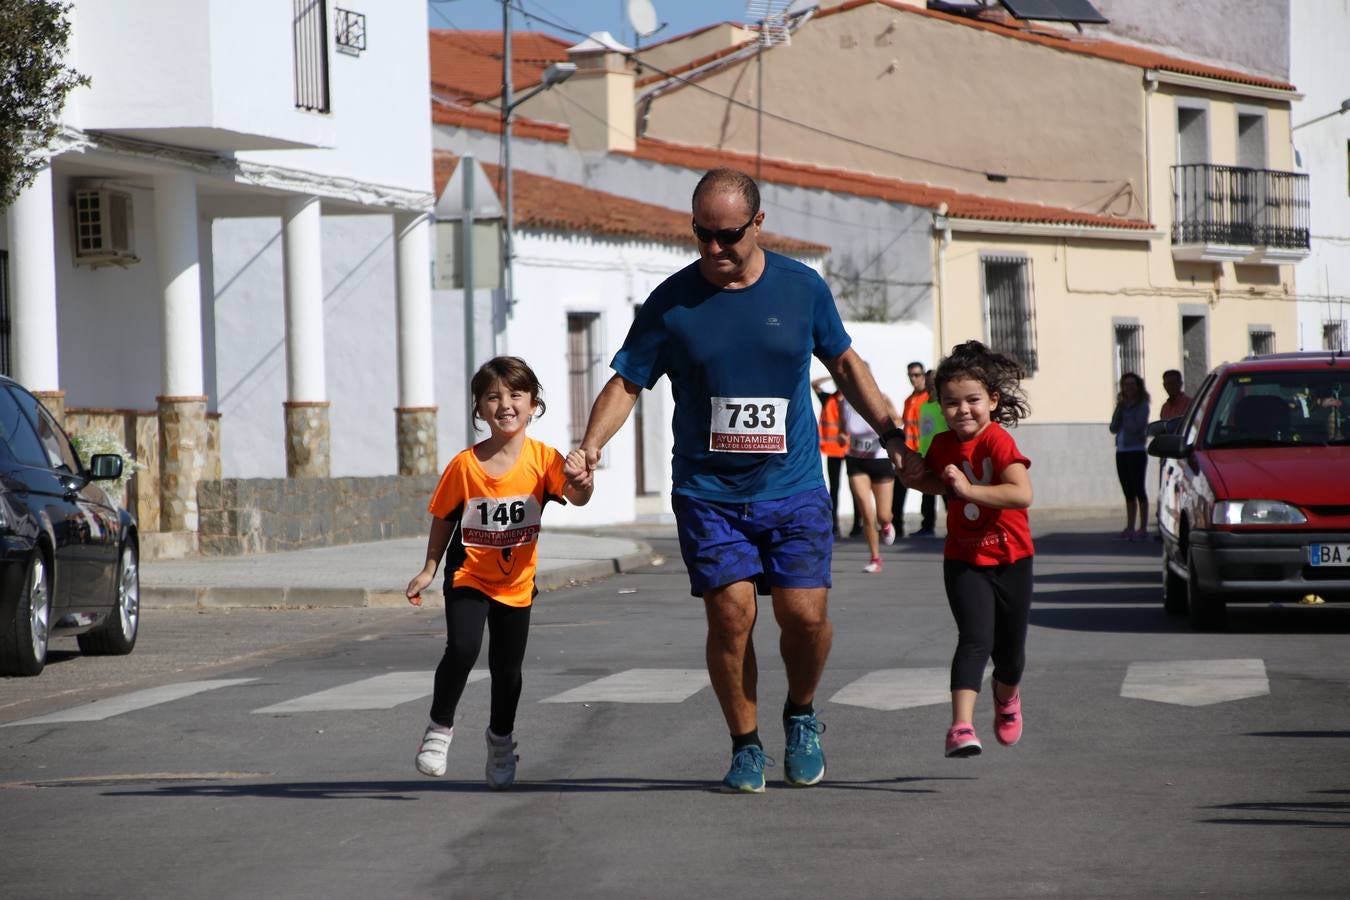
(992, 605)
(466, 612)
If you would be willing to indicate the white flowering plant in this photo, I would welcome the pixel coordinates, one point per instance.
(100, 440)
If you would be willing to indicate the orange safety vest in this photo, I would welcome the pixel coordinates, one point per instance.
(833, 443)
(911, 417)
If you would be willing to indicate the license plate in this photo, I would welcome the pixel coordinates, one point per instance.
(1329, 554)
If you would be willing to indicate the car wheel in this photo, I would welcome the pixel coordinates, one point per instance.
(23, 642)
(1205, 610)
(1174, 588)
(118, 635)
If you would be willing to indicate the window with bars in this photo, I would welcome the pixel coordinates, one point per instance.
(1333, 335)
(6, 361)
(311, 54)
(1010, 317)
(1129, 349)
(583, 369)
(1262, 340)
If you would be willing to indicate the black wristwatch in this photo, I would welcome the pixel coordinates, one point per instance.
(892, 433)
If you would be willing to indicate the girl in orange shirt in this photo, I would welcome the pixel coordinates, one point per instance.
(487, 508)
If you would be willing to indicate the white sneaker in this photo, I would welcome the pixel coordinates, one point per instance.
(873, 566)
(431, 755)
(888, 534)
(501, 761)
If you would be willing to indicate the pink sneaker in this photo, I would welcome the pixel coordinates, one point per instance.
(874, 566)
(1008, 720)
(962, 742)
(888, 534)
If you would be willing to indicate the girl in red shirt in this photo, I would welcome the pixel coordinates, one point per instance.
(487, 508)
(987, 558)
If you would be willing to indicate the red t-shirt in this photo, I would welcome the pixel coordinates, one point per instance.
(976, 534)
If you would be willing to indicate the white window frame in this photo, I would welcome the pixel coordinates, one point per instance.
(997, 328)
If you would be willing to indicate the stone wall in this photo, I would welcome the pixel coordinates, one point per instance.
(261, 515)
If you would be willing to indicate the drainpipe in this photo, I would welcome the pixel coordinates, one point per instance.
(942, 234)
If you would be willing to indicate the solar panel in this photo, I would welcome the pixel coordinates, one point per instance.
(1056, 10)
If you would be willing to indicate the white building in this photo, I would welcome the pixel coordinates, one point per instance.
(228, 253)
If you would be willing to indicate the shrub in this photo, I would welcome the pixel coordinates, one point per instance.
(101, 440)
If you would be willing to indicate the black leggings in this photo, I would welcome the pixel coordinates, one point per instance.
(1131, 467)
(991, 605)
(466, 611)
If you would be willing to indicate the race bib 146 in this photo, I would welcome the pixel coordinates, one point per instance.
(500, 521)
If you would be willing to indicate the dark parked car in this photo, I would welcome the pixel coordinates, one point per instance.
(68, 555)
(1255, 499)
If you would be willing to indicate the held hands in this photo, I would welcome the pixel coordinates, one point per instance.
(579, 468)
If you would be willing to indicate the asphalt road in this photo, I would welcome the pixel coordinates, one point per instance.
(1156, 762)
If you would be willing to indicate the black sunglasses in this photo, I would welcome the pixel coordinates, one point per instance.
(724, 236)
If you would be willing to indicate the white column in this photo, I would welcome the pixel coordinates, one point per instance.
(301, 246)
(33, 272)
(180, 284)
(416, 376)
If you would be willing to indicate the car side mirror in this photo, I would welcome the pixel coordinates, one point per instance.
(105, 467)
(1168, 446)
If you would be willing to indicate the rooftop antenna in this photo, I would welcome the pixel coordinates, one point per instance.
(642, 16)
(772, 16)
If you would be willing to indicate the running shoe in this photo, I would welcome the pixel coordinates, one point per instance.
(746, 775)
(924, 533)
(962, 742)
(501, 761)
(888, 534)
(873, 566)
(1141, 535)
(431, 754)
(803, 760)
(1008, 720)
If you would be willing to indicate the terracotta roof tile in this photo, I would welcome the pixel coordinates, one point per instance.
(468, 64)
(549, 204)
(460, 116)
(959, 205)
(1073, 43)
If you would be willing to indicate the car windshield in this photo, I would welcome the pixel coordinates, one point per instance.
(1283, 408)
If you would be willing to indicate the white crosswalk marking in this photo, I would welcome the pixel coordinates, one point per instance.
(637, 686)
(381, 692)
(892, 689)
(114, 706)
(1196, 682)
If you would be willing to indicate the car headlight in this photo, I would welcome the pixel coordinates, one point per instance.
(1257, 512)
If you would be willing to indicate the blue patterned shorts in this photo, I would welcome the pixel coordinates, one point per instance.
(779, 543)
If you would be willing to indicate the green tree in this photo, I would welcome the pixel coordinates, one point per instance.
(34, 82)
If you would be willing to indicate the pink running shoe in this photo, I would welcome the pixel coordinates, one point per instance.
(873, 566)
(888, 534)
(1008, 720)
(962, 742)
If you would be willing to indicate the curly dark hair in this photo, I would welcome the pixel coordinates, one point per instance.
(998, 373)
(512, 371)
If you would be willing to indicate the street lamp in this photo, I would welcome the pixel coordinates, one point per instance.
(556, 73)
(1344, 108)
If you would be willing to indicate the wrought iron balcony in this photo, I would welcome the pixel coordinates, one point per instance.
(1243, 215)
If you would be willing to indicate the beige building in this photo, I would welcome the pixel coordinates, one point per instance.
(1092, 207)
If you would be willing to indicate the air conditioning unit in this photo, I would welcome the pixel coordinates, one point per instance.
(101, 220)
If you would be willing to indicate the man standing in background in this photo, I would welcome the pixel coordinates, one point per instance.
(918, 396)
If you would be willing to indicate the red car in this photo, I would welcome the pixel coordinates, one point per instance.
(1255, 500)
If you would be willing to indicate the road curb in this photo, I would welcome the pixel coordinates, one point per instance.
(282, 597)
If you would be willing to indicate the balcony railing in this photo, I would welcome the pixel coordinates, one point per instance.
(1230, 212)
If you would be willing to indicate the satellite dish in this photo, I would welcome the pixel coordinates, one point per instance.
(642, 16)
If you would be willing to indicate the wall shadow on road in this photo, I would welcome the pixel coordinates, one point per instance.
(1091, 596)
(410, 790)
(1133, 575)
(1134, 619)
(1071, 543)
(1304, 814)
(1144, 615)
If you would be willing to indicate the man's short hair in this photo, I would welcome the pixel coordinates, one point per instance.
(915, 365)
(728, 179)
(1175, 372)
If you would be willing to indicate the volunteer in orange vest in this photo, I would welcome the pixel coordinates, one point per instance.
(833, 443)
(910, 411)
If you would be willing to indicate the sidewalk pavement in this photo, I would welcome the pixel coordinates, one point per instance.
(375, 574)
(372, 574)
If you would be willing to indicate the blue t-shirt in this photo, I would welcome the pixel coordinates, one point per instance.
(749, 349)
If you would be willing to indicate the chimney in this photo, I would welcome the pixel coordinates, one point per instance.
(603, 87)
